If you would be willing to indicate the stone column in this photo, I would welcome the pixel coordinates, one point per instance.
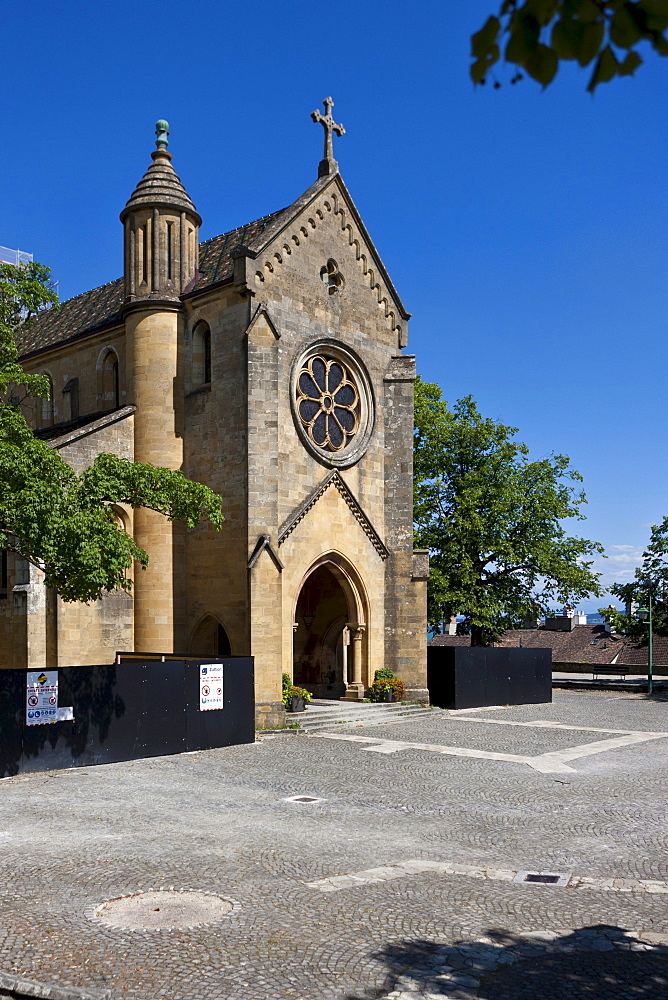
(355, 688)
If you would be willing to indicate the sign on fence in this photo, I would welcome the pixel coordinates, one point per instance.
(41, 697)
(210, 686)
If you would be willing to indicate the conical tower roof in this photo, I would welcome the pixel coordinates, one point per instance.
(161, 186)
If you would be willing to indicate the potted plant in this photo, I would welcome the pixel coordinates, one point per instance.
(386, 687)
(295, 698)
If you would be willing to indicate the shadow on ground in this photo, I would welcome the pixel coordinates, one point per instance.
(592, 963)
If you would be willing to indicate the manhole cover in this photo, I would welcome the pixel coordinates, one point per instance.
(163, 909)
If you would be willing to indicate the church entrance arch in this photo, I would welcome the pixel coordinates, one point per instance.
(210, 639)
(329, 631)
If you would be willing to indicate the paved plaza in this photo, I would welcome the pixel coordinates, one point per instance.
(496, 853)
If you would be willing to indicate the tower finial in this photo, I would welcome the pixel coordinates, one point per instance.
(162, 131)
(328, 164)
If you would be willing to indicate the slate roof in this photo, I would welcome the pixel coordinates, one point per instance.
(633, 655)
(101, 307)
(567, 647)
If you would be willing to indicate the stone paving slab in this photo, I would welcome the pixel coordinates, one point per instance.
(217, 821)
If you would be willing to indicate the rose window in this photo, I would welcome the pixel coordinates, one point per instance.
(328, 402)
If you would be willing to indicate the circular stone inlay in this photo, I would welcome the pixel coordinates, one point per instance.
(163, 909)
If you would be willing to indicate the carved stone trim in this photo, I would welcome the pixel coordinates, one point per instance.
(264, 542)
(341, 207)
(334, 479)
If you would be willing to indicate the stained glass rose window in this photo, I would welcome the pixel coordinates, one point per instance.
(328, 402)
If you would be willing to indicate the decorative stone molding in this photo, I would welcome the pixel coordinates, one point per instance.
(331, 205)
(334, 479)
(264, 542)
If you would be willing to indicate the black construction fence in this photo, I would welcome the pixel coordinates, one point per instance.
(475, 676)
(124, 711)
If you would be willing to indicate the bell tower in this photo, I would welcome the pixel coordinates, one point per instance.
(161, 239)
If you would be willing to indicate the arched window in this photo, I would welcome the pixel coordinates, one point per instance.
(46, 405)
(108, 380)
(201, 358)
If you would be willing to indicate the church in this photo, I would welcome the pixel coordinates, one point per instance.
(269, 363)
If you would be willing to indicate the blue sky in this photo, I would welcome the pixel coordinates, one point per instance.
(525, 230)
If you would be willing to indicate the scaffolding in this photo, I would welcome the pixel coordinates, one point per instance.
(15, 257)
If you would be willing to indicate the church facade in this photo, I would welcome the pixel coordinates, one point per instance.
(269, 363)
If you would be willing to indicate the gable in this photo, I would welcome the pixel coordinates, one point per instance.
(332, 486)
(295, 235)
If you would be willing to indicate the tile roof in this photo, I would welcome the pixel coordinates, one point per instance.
(633, 655)
(567, 647)
(83, 314)
(101, 306)
(215, 255)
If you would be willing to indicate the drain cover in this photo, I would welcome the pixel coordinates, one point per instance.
(303, 798)
(543, 878)
(163, 909)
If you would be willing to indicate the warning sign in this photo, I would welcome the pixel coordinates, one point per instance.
(210, 686)
(41, 697)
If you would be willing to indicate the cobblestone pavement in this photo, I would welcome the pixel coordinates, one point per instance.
(217, 821)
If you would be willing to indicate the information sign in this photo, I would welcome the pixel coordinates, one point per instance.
(210, 686)
(41, 697)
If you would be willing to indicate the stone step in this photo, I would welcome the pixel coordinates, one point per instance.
(356, 715)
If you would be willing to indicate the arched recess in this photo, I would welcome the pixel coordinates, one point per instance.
(108, 380)
(201, 355)
(330, 630)
(209, 638)
(123, 519)
(45, 404)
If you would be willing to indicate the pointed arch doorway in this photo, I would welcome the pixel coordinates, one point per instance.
(329, 632)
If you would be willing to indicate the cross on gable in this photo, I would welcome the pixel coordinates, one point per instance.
(328, 164)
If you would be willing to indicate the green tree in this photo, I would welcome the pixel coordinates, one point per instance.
(59, 521)
(650, 577)
(536, 35)
(491, 519)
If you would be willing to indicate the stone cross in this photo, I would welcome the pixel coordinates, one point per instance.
(328, 164)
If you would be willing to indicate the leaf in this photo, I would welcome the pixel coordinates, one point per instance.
(542, 65)
(656, 12)
(566, 37)
(482, 41)
(624, 30)
(630, 64)
(480, 68)
(585, 11)
(542, 10)
(606, 67)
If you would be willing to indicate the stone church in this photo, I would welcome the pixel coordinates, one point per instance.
(268, 363)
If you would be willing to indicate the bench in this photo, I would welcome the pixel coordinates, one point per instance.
(617, 670)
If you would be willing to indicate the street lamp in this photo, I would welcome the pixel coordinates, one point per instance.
(645, 615)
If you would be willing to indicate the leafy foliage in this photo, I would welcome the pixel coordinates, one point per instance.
(491, 520)
(538, 34)
(61, 522)
(650, 578)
